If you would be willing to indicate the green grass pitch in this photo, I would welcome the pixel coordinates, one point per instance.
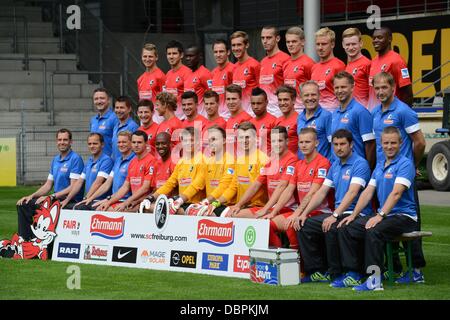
(47, 279)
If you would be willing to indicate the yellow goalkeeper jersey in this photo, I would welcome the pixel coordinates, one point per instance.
(189, 176)
(247, 169)
(218, 175)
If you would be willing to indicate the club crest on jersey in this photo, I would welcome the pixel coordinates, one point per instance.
(296, 69)
(194, 80)
(346, 175)
(328, 71)
(345, 118)
(389, 119)
(141, 168)
(274, 65)
(354, 71)
(246, 72)
(311, 171)
(235, 126)
(312, 124)
(224, 76)
(383, 67)
(150, 136)
(151, 170)
(191, 168)
(250, 167)
(281, 170)
(168, 130)
(388, 174)
(152, 82)
(177, 79)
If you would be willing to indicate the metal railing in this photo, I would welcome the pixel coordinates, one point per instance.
(425, 102)
(15, 36)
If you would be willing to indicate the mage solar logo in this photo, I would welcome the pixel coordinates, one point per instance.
(217, 234)
(108, 228)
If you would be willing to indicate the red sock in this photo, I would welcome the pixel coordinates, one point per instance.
(274, 239)
(292, 236)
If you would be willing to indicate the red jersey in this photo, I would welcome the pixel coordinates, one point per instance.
(323, 73)
(308, 173)
(295, 73)
(291, 125)
(221, 122)
(163, 170)
(277, 170)
(263, 129)
(175, 85)
(151, 132)
(221, 78)
(246, 75)
(151, 83)
(171, 126)
(198, 123)
(271, 77)
(392, 63)
(198, 81)
(360, 69)
(140, 170)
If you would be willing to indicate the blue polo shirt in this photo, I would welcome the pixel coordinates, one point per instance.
(62, 170)
(401, 170)
(321, 121)
(119, 173)
(340, 176)
(356, 119)
(399, 115)
(105, 125)
(129, 125)
(93, 168)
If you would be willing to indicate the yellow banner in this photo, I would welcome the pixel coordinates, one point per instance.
(8, 162)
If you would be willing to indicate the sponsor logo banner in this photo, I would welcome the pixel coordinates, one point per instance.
(184, 259)
(262, 272)
(108, 228)
(95, 252)
(124, 254)
(241, 264)
(215, 233)
(215, 261)
(153, 257)
(69, 250)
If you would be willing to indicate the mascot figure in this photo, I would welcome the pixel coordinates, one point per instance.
(44, 227)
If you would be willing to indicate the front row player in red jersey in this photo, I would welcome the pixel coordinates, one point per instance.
(274, 177)
(211, 100)
(139, 179)
(307, 179)
(145, 111)
(286, 102)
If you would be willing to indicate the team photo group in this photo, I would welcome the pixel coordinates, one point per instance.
(327, 151)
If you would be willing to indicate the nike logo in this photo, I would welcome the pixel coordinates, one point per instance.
(121, 255)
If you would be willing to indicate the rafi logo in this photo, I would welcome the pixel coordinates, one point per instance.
(262, 272)
(250, 236)
(69, 250)
(108, 228)
(217, 234)
(241, 264)
(215, 261)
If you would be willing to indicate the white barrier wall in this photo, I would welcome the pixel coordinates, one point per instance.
(208, 245)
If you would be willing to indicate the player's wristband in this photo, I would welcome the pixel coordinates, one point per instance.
(216, 203)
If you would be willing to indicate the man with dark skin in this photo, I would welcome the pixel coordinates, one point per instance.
(200, 78)
(389, 61)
